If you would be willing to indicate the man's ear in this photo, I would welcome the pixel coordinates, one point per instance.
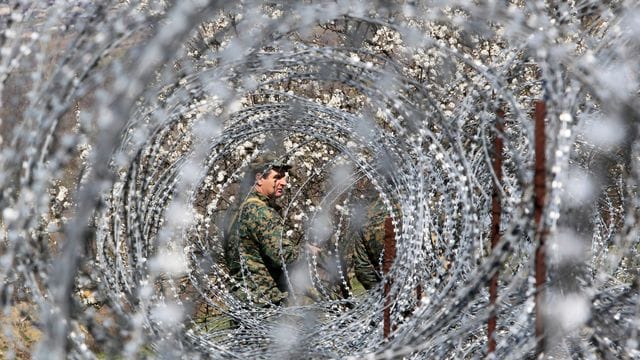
(259, 179)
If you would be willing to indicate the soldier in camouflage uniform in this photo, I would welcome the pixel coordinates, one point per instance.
(369, 244)
(257, 250)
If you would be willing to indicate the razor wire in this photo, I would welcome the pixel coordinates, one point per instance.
(128, 127)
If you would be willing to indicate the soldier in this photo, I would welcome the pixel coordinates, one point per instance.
(257, 251)
(369, 243)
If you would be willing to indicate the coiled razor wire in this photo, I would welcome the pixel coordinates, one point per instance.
(128, 126)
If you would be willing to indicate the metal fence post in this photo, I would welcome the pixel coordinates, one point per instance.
(389, 256)
(539, 200)
(496, 212)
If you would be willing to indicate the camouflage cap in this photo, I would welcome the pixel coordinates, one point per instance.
(269, 160)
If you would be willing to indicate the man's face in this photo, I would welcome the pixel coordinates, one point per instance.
(273, 184)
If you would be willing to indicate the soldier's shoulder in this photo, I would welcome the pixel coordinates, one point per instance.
(253, 203)
(377, 211)
(255, 208)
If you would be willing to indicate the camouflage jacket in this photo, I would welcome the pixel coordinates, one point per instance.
(258, 251)
(369, 244)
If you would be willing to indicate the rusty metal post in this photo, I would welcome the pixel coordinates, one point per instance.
(539, 200)
(496, 212)
(389, 256)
